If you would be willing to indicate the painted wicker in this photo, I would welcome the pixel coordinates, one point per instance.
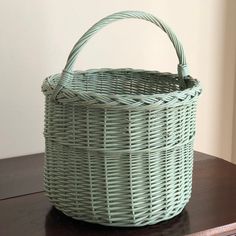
(119, 142)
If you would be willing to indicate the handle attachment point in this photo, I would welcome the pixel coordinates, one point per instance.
(66, 78)
(183, 70)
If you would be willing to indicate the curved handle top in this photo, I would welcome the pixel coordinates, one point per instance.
(182, 66)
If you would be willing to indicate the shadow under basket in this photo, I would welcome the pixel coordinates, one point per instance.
(119, 142)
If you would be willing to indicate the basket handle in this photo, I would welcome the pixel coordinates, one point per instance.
(67, 73)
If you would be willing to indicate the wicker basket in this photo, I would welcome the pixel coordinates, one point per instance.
(119, 142)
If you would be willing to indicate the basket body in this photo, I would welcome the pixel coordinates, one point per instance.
(121, 166)
(119, 142)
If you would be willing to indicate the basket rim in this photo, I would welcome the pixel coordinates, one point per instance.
(95, 99)
(94, 71)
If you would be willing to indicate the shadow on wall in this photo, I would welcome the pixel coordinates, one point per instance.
(234, 117)
(230, 61)
(232, 21)
(228, 87)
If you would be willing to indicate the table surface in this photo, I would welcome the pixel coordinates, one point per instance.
(24, 209)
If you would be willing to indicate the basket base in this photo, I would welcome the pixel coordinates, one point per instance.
(151, 222)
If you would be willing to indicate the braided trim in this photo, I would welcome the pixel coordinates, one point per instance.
(121, 101)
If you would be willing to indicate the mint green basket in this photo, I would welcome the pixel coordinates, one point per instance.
(119, 142)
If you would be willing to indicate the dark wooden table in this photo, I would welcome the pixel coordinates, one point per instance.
(24, 210)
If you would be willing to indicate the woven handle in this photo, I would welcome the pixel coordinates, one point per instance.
(67, 73)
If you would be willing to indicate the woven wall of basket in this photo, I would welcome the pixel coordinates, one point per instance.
(119, 142)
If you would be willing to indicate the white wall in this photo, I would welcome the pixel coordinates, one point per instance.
(36, 37)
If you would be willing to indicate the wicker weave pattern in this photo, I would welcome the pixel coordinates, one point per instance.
(119, 189)
(119, 142)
